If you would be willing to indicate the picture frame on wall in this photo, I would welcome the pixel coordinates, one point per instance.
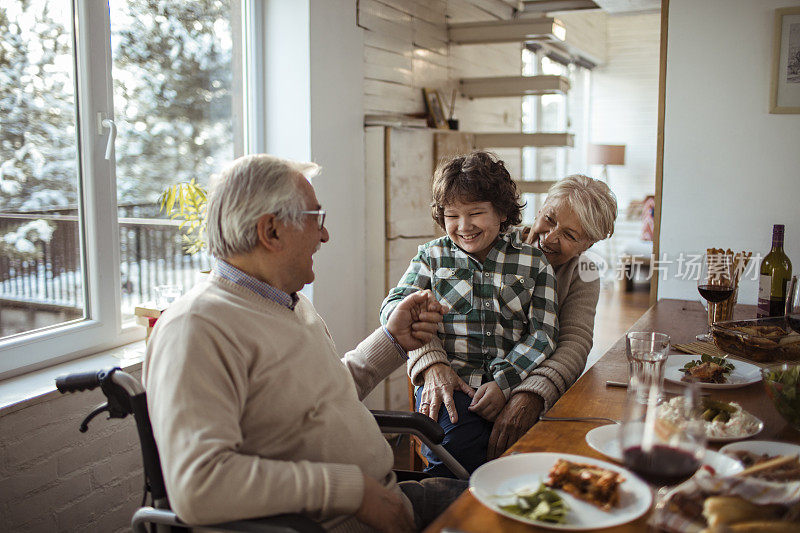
(433, 102)
(785, 88)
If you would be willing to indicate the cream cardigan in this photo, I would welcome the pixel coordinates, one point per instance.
(255, 414)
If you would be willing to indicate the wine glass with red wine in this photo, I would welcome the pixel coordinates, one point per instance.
(715, 285)
(793, 304)
(662, 441)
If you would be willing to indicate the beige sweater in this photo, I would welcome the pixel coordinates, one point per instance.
(577, 302)
(255, 414)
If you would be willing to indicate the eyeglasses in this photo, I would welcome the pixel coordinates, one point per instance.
(320, 216)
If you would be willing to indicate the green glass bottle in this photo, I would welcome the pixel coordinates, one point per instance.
(776, 271)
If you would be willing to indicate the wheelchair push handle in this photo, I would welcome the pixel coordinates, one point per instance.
(80, 381)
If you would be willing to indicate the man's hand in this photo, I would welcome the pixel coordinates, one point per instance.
(415, 320)
(518, 416)
(383, 510)
(440, 382)
(488, 401)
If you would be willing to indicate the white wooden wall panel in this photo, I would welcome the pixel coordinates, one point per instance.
(394, 11)
(387, 58)
(465, 11)
(408, 190)
(382, 41)
(401, 76)
(625, 108)
(401, 251)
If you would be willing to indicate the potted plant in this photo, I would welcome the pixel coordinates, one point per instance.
(187, 202)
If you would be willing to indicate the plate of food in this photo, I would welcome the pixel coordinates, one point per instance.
(560, 491)
(769, 460)
(745, 502)
(605, 440)
(723, 421)
(711, 372)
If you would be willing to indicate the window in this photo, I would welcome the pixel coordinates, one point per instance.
(554, 113)
(82, 240)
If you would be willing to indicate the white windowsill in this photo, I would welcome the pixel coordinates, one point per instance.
(39, 386)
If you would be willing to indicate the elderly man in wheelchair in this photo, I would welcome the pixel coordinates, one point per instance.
(253, 412)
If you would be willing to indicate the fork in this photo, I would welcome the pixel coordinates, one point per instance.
(577, 419)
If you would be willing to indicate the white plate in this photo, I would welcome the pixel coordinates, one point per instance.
(742, 374)
(757, 429)
(527, 470)
(768, 447)
(755, 425)
(605, 440)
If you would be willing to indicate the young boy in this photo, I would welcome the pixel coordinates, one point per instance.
(501, 294)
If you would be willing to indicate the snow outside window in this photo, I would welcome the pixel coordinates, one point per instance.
(82, 238)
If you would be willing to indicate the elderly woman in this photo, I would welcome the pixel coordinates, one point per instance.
(578, 212)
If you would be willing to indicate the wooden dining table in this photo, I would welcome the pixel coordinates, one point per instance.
(590, 396)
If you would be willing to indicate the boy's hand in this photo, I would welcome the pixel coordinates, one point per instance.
(488, 401)
(415, 319)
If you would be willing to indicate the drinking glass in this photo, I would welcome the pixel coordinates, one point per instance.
(166, 294)
(793, 304)
(647, 357)
(663, 442)
(715, 285)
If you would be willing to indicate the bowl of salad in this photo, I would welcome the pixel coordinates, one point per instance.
(783, 387)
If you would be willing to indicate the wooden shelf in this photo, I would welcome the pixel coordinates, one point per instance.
(521, 140)
(513, 86)
(506, 31)
(534, 187)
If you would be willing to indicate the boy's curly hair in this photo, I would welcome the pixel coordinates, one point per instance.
(479, 176)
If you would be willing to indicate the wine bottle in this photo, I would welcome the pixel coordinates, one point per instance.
(776, 271)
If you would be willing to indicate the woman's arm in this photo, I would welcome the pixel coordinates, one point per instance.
(554, 376)
(539, 391)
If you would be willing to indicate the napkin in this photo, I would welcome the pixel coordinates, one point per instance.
(700, 348)
(704, 483)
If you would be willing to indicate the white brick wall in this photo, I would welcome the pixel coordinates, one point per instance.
(54, 478)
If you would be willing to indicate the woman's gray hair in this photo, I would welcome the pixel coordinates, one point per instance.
(592, 201)
(249, 188)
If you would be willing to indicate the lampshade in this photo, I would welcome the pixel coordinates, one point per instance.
(606, 154)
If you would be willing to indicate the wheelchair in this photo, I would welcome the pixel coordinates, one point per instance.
(126, 396)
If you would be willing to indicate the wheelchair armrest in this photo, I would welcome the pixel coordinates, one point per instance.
(407, 422)
(285, 523)
(429, 432)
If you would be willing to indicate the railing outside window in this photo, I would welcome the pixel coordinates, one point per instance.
(43, 286)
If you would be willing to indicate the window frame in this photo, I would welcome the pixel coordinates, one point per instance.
(102, 326)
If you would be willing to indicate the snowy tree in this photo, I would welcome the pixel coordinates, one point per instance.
(37, 124)
(172, 91)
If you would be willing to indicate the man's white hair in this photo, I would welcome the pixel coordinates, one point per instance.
(253, 186)
(593, 202)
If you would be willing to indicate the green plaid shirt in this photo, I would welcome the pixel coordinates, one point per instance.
(502, 321)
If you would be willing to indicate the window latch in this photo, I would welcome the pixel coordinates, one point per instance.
(112, 134)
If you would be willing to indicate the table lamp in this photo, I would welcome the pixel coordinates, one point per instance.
(606, 154)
